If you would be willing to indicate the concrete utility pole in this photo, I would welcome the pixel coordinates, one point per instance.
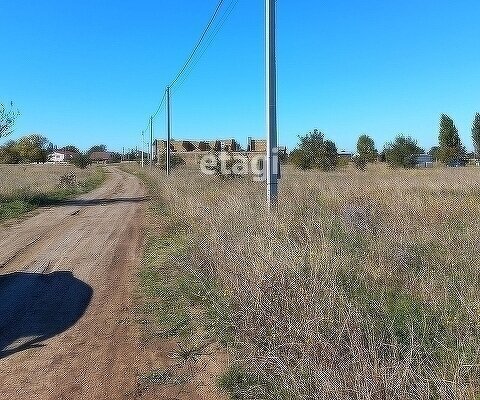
(169, 132)
(143, 148)
(151, 142)
(271, 95)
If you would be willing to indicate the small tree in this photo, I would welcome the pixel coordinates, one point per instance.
(33, 148)
(71, 148)
(116, 158)
(381, 156)
(7, 119)
(299, 158)
(9, 153)
(360, 162)
(401, 152)
(434, 152)
(97, 147)
(175, 160)
(450, 146)
(476, 134)
(81, 160)
(315, 152)
(366, 148)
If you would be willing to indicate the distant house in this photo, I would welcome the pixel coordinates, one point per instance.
(101, 157)
(345, 155)
(61, 156)
(423, 160)
(458, 162)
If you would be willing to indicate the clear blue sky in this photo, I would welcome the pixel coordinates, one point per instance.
(87, 72)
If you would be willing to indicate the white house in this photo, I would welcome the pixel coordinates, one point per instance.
(60, 156)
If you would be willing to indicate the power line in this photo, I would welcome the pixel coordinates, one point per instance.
(159, 106)
(194, 56)
(194, 51)
(210, 40)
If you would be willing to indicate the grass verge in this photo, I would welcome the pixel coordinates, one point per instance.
(180, 307)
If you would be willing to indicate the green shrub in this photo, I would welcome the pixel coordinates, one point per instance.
(401, 152)
(238, 383)
(315, 152)
(81, 160)
(175, 161)
(360, 162)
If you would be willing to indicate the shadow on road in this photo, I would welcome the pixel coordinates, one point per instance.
(35, 307)
(96, 202)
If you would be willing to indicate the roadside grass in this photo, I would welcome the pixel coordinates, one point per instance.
(178, 302)
(240, 384)
(24, 200)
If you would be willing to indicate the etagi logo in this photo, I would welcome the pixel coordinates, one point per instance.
(224, 163)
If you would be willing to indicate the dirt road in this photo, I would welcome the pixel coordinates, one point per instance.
(67, 275)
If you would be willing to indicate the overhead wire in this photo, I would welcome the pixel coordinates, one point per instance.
(199, 42)
(160, 105)
(210, 39)
(195, 56)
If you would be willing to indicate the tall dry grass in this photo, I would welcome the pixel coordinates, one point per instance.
(40, 178)
(362, 286)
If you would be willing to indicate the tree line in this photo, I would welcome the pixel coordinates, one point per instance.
(314, 151)
(28, 149)
(36, 149)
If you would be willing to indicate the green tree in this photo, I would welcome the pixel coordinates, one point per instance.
(315, 152)
(450, 146)
(381, 156)
(401, 152)
(360, 162)
(298, 157)
(33, 148)
(97, 147)
(434, 152)
(7, 119)
(476, 134)
(81, 160)
(176, 160)
(9, 153)
(366, 148)
(71, 148)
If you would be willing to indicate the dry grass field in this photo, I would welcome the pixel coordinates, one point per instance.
(24, 187)
(364, 285)
(42, 177)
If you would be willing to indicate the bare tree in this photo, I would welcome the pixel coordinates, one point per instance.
(7, 119)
